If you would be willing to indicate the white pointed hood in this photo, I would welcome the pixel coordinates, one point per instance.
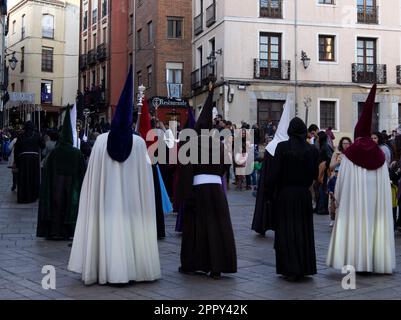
(73, 115)
(281, 133)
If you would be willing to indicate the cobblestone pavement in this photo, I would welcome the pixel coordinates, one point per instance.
(22, 257)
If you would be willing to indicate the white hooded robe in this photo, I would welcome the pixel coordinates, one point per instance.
(363, 234)
(115, 237)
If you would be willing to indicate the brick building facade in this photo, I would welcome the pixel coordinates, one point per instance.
(163, 54)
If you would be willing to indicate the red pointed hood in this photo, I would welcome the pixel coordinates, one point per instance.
(364, 125)
(364, 152)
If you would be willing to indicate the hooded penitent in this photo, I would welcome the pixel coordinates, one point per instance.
(205, 120)
(119, 143)
(190, 124)
(281, 133)
(297, 129)
(62, 178)
(66, 137)
(364, 152)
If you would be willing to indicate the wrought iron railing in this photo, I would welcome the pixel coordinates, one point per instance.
(91, 58)
(195, 79)
(101, 52)
(83, 62)
(368, 14)
(272, 69)
(174, 90)
(206, 71)
(369, 73)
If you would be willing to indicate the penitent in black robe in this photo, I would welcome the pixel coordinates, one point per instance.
(208, 243)
(293, 170)
(26, 157)
(263, 217)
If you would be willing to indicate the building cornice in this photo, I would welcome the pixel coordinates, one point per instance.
(290, 23)
(54, 3)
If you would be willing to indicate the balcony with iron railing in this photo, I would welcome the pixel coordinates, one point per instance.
(368, 14)
(274, 9)
(369, 73)
(83, 62)
(202, 77)
(91, 58)
(398, 74)
(95, 97)
(211, 14)
(272, 69)
(198, 24)
(195, 79)
(207, 71)
(174, 90)
(102, 52)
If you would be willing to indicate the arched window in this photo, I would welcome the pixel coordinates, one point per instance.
(48, 26)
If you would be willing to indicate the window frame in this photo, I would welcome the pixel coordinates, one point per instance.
(174, 30)
(45, 81)
(150, 31)
(336, 112)
(52, 29)
(334, 51)
(51, 68)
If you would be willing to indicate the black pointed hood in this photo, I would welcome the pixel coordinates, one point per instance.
(205, 119)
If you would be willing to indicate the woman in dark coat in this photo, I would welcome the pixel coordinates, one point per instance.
(293, 170)
(207, 236)
(26, 158)
(325, 155)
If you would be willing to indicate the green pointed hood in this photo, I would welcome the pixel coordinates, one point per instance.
(66, 132)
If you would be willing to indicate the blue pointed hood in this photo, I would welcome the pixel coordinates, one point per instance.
(119, 143)
(190, 124)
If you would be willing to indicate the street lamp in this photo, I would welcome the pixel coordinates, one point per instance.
(305, 59)
(13, 61)
(212, 64)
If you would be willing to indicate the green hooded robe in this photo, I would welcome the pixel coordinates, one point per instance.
(63, 174)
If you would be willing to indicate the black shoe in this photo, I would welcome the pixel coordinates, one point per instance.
(13, 188)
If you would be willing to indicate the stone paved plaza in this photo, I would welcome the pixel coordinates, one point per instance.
(22, 257)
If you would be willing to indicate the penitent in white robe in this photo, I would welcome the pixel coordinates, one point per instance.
(115, 237)
(363, 233)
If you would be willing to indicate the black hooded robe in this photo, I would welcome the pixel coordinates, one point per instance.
(294, 168)
(26, 155)
(208, 243)
(263, 217)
